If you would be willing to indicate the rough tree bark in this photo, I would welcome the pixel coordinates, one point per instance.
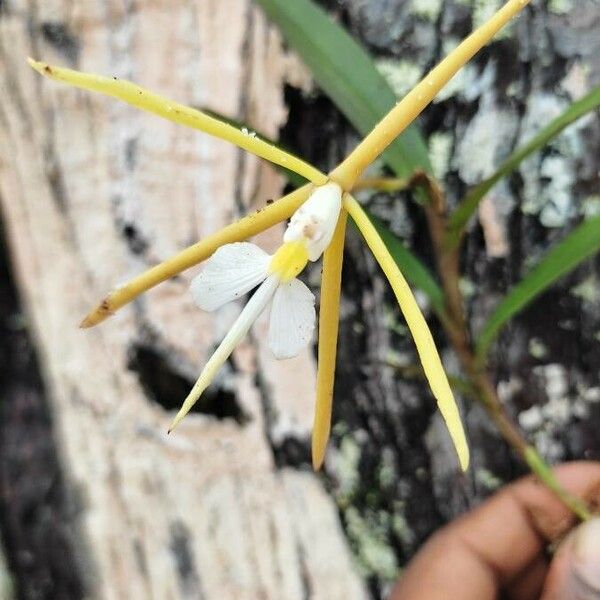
(94, 192)
(96, 500)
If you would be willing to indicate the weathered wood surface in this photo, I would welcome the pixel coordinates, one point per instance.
(94, 192)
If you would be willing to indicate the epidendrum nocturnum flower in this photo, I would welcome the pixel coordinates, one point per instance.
(237, 268)
(234, 268)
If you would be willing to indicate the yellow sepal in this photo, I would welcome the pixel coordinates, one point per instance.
(329, 318)
(246, 227)
(430, 359)
(179, 113)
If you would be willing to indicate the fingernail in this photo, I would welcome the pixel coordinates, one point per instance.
(586, 560)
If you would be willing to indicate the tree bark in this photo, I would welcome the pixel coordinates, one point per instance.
(94, 192)
(394, 473)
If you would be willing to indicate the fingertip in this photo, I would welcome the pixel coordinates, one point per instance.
(584, 576)
(575, 569)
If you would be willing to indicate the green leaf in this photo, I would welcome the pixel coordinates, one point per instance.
(469, 204)
(580, 244)
(346, 73)
(416, 273)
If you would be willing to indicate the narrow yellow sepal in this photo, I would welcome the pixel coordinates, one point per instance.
(430, 359)
(246, 227)
(329, 316)
(289, 260)
(254, 307)
(411, 106)
(179, 113)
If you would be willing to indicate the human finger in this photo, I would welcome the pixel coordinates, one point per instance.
(575, 570)
(485, 550)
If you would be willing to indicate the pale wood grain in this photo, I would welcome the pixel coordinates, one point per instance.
(75, 170)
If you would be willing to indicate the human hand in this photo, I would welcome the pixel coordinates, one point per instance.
(499, 549)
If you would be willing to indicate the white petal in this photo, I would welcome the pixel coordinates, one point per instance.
(315, 220)
(292, 320)
(229, 273)
(239, 329)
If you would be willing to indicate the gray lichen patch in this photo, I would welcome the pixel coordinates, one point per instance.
(483, 10)
(488, 480)
(402, 75)
(401, 526)
(7, 591)
(537, 348)
(368, 536)
(394, 212)
(560, 7)
(549, 176)
(348, 476)
(588, 290)
(557, 196)
(467, 82)
(426, 9)
(486, 140)
(440, 150)
(546, 422)
(370, 528)
(590, 207)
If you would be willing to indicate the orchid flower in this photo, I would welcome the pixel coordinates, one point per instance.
(234, 268)
(237, 268)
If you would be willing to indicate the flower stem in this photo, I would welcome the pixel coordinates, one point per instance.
(382, 184)
(456, 329)
(548, 478)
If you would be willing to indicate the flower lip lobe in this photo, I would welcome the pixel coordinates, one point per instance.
(292, 319)
(232, 271)
(314, 222)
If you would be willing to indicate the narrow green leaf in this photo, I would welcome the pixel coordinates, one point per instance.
(580, 244)
(416, 273)
(469, 204)
(348, 76)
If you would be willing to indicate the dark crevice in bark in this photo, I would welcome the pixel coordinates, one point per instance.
(38, 509)
(185, 561)
(313, 127)
(136, 242)
(165, 383)
(131, 232)
(59, 36)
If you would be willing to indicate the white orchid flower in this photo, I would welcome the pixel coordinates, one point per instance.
(310, 239)
(235, 269)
